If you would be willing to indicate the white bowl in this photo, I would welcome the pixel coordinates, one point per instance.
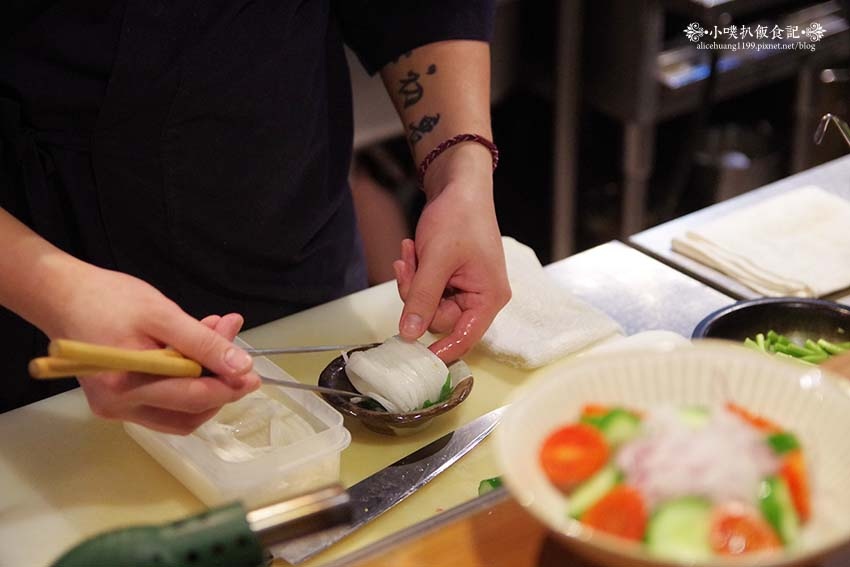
(799, 398)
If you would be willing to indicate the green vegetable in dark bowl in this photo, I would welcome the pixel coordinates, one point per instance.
(811, 351)
(793, 319)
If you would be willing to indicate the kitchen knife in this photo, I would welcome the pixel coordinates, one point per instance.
(221, 536)
(378, 493)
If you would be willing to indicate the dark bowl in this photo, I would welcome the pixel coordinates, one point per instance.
(796, 318)
(334, 376)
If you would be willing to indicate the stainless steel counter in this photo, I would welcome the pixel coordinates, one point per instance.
(833, 177)
(637, 291)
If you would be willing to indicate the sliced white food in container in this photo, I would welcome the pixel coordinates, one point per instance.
(250, 427)
(401, 375)
(287, 427)
(222, 440)
(249, 418)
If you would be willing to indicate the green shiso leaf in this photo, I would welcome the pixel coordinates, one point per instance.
(445, 392)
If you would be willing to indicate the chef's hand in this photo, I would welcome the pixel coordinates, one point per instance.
(452, 279)
(112, 308)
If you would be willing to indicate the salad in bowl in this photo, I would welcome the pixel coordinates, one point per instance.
(712, 455)
(654, 477)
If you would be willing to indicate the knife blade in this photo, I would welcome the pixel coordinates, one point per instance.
(376, 494)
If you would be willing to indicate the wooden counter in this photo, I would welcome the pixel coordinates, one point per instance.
(492, 532)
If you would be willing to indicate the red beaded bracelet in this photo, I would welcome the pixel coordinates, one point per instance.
(443, 146)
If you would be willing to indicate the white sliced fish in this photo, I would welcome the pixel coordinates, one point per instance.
(403, 374)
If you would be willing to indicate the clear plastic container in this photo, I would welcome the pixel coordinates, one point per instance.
(284, 471)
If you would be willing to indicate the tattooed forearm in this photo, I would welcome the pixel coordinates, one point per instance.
(411, 89)
(426, 124)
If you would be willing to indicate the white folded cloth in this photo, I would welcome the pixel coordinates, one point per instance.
(795, 244)
(542, 322)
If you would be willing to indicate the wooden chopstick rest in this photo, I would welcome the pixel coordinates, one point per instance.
(157, 362)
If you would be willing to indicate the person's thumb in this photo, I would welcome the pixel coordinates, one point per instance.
(215, 352)
(423, 298)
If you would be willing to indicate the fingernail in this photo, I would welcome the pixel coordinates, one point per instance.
(411, 325)
(250, 381)
(237, 359)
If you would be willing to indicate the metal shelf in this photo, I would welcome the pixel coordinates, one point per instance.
(623, 81)
(751, 76)
(710, 10)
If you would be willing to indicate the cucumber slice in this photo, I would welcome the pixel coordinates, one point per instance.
(489, 485)
(782, 442)
(619, 426)
(778, 509)
(593, 490)
(680, 530)
(593, 420)
(695, 416)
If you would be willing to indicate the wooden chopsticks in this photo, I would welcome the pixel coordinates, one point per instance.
(77, 358)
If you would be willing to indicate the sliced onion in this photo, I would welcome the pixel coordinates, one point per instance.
(401, 375)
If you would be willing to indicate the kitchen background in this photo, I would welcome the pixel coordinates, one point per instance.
(609, 120)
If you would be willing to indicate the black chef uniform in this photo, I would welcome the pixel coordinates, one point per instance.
(201, 145)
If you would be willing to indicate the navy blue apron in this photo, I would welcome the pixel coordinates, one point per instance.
(216, 169)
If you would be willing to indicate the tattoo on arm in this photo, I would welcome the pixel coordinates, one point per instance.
(411, 89)
(426, 124)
